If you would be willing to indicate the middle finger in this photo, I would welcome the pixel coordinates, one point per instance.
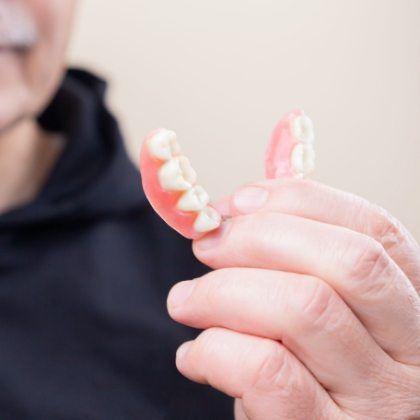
(302, 312)
(354, 265)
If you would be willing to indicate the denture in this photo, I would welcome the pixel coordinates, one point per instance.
(290, 152)
(170, 182)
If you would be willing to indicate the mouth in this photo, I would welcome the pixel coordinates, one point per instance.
(13, 50)
(6, 50)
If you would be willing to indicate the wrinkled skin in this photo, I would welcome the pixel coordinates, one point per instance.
(313, 310)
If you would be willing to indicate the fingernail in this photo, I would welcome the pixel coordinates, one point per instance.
(180, 293)
(250, 199)
(182, 350)
(214, 238)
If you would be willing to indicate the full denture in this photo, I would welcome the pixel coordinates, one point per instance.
(169, 182)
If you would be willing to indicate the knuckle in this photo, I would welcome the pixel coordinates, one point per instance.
(273, 371)
(281, 378)
(386, 229)
(319, 305)
(366, 263)
(205, 347)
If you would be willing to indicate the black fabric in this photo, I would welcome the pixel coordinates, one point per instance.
(84, 274)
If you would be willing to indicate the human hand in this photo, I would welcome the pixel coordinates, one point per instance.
(313, 310)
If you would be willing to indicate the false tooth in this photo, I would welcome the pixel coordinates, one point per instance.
(207, 219)
(164, 145)
(177, 174)
(303, 159)
(195, 199)
(303, 129)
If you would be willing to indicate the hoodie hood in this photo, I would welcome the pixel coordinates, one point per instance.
(93, 176)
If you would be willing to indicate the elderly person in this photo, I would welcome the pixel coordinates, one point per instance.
(312, 310)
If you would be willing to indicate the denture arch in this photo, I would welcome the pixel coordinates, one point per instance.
(170, 182)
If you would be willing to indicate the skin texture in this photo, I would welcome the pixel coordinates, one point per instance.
(29, 76)
(312, 310)
(316, 317)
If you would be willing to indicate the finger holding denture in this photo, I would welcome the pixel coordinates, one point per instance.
(169, 181)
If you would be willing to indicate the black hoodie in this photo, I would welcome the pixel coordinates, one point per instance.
(84, 273)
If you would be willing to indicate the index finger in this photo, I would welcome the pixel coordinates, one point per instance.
(315, 201)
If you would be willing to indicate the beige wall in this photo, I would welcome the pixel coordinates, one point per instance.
(221, 72)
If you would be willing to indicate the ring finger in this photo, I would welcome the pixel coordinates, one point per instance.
(302, 312)
(270, 381)
(354, 265)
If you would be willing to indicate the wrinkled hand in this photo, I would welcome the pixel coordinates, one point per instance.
(313, 310)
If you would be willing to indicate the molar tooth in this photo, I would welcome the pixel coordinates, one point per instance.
(303, 159)
(207, 219)
(163, 145)
(195, 199)
(303, 129)
(177, 174)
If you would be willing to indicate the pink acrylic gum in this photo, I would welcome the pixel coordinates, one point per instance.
(169, 181)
